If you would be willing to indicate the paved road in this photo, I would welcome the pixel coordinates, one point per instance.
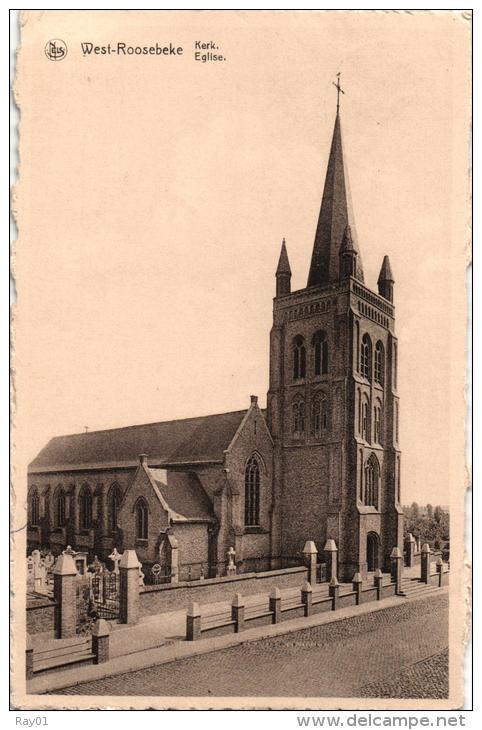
(400, 651)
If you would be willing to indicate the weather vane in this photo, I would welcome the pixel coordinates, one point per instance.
(338, 90)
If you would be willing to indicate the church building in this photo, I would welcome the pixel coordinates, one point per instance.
(322, 462)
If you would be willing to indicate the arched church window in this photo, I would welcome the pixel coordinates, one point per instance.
(298, 415)
(251, 493)
(60, 510)
(142, 519)
(371, 482)
(379, 363)
(115, 497)
(85, 503)
(366, 357)
(320, 351)
(34, 509)
(299, 358)
(359, 409)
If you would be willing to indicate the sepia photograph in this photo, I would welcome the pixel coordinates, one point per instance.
(239, 359)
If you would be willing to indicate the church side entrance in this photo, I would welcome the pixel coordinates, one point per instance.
(373, 551)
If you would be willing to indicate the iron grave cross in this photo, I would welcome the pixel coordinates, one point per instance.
(338, 90)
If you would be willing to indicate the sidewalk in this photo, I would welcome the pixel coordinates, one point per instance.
(161, 639)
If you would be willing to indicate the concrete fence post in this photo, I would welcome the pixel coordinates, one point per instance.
(333, 591)
(65, 596)
(440, 570)
(29, 657)
(310, 553)
(129, 588)
(357, 583)
(193, 622)
(331, 559)
(100, 641)
(425, 563)
(237, 612)
(275, 604)
(396, 568)
(307, 598)
(378, 583)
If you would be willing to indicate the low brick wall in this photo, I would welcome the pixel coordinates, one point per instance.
(172, 597)
(40, 616)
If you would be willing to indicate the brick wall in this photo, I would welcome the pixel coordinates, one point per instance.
(160, 599)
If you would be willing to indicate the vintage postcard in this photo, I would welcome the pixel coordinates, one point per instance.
(239, 359)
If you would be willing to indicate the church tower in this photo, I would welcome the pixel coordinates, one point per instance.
(333, 407)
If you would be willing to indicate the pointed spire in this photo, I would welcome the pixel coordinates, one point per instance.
(283, 273)
(283, 263)
(386, 271)
(386, 280)
(333, 219)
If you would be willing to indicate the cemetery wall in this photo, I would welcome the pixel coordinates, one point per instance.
(40, 616)
(172, 597)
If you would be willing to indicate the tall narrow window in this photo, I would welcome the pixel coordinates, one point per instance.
(371, 482)
(395, 364)
(298, 414)
(361, 475)
(251, 493)
(357, 346)
(320, 351)
(60, 508)
(142, 520)
(85, 508)
(359, 412)
(34, 510)
(399, 491)
(299, 358)
(114, 504)
(319, 415)
(377, 422)
(365, 420)
(379, 363)
(366, 357)
(396, 409)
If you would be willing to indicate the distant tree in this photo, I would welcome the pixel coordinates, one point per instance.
(429, 511)
(437, 513)
(414, 511)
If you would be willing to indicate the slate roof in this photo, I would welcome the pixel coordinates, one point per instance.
(184, 494)
(189, 440)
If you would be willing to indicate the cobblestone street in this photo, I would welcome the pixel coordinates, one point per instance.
(397, 652)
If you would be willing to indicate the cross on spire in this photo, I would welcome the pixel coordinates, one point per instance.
(338, 91)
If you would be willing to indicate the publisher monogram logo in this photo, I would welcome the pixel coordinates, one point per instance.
(56, 50)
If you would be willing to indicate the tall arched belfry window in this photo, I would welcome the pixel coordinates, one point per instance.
(85, 503)
(320, 351)
(299, 358)
(142, 520)
(251, 493)
(379, 363)
(366, 357)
